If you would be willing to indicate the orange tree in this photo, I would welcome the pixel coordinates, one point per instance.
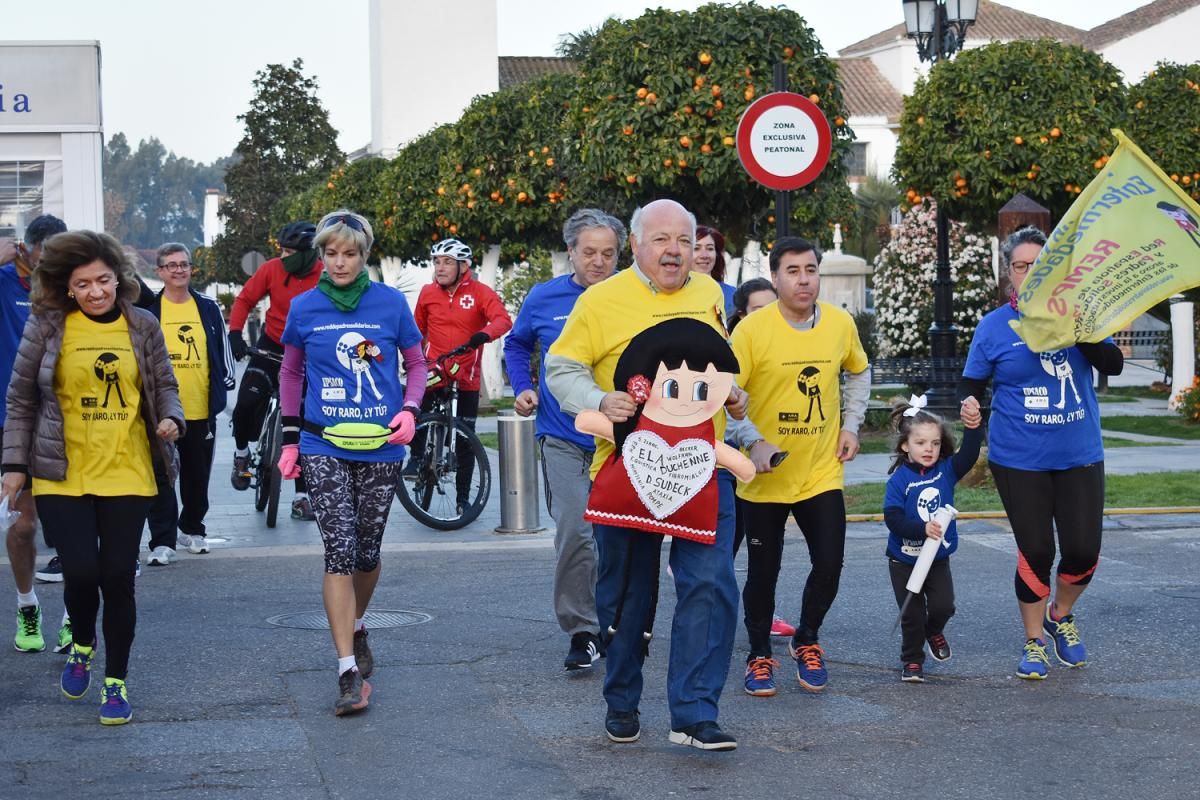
(354, 186)
(1025, 116)
(1164, 120)
(657, 107)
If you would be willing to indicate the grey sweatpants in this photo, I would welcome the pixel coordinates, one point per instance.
(565, 467)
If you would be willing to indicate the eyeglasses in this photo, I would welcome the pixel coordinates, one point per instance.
(175, 266)
(1020, 267)
(345, 219)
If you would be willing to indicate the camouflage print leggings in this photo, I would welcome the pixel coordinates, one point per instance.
(351, 500)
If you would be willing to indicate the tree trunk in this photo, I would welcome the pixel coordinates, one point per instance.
(493, 377)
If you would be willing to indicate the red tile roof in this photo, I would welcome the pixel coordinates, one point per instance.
(1139, 19)
(867, 92)
(995, 22)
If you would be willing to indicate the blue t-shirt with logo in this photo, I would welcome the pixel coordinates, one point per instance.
(14, 308)
(1044, 410)
(351, 364)
(539, 323)
(920, 494)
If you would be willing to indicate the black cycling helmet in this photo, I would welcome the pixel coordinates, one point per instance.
(297, 235)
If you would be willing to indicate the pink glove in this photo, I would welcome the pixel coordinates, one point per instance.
(405, 424)
(289, 457)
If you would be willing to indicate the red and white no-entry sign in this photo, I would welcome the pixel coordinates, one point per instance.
(784, 141)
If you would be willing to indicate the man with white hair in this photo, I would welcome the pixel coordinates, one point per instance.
(579, 370)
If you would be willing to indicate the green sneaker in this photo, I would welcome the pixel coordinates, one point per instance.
(29, 630)
(64, 637)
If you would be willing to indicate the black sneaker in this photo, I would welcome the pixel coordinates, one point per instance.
(585, 651)
(362, 654)
(302, 509)
(241, 474)
(51, 573)
(912, 673)
(353, 692)
(622, 726)
(705, 735)
(939, 648)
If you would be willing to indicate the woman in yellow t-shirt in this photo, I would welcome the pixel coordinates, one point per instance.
(93, 403)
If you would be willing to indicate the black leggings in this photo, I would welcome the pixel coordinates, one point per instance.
(1037, 503)
(928, 612)
(822, 520)
(468, 412)
(97, 540)
(254, 393)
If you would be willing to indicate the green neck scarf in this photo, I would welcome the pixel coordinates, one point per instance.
(345, 298)
(301, 262)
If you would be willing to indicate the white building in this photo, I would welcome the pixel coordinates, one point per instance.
(878, 71)
(51, 134)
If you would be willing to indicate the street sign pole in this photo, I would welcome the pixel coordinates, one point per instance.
(783, 198)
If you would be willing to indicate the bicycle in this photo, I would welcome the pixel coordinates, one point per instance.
(446, 461)
(264, 461)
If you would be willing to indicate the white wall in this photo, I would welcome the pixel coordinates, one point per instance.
(1171, 40)
(428, 60)
(881, 138)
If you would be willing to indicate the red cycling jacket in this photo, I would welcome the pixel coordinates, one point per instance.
(447, 318)
(271, 279)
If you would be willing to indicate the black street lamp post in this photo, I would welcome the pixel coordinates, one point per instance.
(939, 28)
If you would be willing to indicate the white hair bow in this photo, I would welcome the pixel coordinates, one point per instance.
(915, 404)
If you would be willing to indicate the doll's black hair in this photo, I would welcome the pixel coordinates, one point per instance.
(904, 426)
(674, 342)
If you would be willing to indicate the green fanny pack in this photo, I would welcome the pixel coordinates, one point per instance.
(352, 435)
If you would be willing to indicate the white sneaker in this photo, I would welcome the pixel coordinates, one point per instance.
(182, 539)
(161, 556)
(198, 545)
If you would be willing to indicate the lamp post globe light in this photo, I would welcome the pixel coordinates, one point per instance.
(939, 28)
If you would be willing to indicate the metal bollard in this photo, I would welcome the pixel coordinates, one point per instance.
(518, 474)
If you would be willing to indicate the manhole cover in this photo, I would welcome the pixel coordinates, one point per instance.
(316, 621)
(1183, 592)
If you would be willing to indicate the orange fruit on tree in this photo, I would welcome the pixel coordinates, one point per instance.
(1018, 140)
(1042, 139)
(1175, 177)
(716, 90)
(815, 98)
(788, 52)
(718, 105)
(727, 141)
(747, 72)
(705, 59)
(545, 150)
(839, 121)
(1055, 133)
(748, 94)
(921, 120)
(433, 237)
(522, 197)
(960, 182)
(1098, 163)
(685, 141)
(477, 171)
(453, 229)
(441, 190)
(688, 109)
(642, 92)
(699, 81)
(627, 130)
(470, 204)
(682, 163)
(549, 162)
(667, 162)
(329, 185)
(651, 98)
(704, 148)
(631, 178)
(1031, 175)
(495, 195)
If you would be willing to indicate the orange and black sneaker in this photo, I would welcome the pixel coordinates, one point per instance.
(810, 666)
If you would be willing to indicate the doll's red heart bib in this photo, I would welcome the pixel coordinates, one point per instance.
(666, 477)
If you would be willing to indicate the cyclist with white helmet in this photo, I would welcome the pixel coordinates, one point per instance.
(295, 271)
(455, 310)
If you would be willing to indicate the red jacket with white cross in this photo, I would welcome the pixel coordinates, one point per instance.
(448, 318)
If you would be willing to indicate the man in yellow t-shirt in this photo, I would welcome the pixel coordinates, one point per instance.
(194, 330)
(799, 434)
(579, 371)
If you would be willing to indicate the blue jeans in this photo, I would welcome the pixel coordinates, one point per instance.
(705, 615)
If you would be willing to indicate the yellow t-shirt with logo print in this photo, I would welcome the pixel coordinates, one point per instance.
(793, 379)
(99, 388)
(187, 345)
(609, 314)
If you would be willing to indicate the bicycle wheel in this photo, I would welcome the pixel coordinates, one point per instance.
(270, 452)
(262, 471)
(453, 479)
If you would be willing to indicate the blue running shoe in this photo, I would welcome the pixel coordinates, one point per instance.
(760, 677)
(810, 666)
(1033, 661)
(1064, 638)
(77, 674)
(114, 709)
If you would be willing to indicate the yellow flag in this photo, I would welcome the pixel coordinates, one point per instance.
(1130, 240)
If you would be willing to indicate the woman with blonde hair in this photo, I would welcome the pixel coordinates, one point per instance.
(92, 404)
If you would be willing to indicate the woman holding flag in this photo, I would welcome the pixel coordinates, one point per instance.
(1046, 455)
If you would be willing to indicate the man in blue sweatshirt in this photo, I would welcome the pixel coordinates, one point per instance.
(594, 240)
(19, 258)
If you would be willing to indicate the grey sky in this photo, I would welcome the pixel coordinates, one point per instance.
(182, 72)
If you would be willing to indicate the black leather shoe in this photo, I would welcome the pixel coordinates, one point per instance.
(622, 726)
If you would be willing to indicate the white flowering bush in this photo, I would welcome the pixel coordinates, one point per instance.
(904, 273)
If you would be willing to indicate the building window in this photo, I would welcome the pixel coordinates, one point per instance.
(22, 186)
(856, 164)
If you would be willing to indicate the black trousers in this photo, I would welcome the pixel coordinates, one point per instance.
(468, 411)
(822, 520)
(98, 540)
(928, 612)
(1038, 504)
(168, 517)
